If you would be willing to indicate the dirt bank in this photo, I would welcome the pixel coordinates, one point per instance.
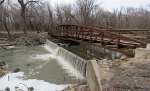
(18, 38)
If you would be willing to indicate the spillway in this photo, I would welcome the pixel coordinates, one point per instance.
(73, 64)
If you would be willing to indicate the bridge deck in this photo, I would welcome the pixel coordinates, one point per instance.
(95, 34)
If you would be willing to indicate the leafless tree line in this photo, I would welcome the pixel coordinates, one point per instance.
(35, 15)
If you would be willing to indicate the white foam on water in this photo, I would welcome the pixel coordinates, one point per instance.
(43, 57)
(12, 80)
(61, 61)
(70, 69)
(48, 48)
(64, 64)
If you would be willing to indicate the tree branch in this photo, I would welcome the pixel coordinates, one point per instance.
(32, 1)
(21, 2)
(1, 2)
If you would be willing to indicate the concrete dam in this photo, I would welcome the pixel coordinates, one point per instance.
(75, 65)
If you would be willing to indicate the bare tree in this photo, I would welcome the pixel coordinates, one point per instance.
(1, 2)
(33, 15)
(5, 18)
(23, 5)
(59, 15)
(86, 9)
(1, 9)
(51, 20)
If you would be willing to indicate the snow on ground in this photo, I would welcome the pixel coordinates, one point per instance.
(16, 80)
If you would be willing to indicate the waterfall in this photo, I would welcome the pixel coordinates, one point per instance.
(73, 64)
(51, 47)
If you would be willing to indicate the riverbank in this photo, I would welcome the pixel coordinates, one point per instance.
(128, 74)
(21, 39)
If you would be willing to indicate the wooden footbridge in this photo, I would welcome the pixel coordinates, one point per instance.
(96, 35)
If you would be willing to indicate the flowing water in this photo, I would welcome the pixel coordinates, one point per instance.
(42, 67)
(75, 65)
(37, 63)
(48, 62)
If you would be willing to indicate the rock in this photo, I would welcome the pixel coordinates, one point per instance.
(18, 89)
(30, 89)
(3, 68)
(28, 65)
(77, 88)
(7, 89)
(17, 70)
(2, 72)
(2, 63)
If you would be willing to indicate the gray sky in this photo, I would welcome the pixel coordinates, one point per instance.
(110, 4)
(107, 4)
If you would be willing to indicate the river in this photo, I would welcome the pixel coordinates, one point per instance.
(36, 63)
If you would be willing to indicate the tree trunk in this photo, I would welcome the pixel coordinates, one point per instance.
(7, 29)
(24, 19)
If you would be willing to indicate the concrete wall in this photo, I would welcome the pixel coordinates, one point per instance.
(142, 53)
(148, 47)
(93, 76)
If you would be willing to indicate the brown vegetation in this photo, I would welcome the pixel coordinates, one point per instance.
(38, 15)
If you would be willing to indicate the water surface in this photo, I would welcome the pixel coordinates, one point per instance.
(36, 63)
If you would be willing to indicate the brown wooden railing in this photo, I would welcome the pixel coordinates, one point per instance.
(95, 34)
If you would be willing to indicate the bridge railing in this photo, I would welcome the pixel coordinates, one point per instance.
(94, 34)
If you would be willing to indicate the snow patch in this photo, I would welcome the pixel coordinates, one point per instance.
(16, 80)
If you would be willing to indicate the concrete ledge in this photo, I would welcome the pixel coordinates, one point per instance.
(142, 53)
(93, 76)
(148, 47)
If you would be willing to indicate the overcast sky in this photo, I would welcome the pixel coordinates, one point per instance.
(107, 4)
(110, 4)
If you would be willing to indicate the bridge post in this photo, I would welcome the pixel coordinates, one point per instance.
(102, 38)
(148, 36)
(118, 40)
